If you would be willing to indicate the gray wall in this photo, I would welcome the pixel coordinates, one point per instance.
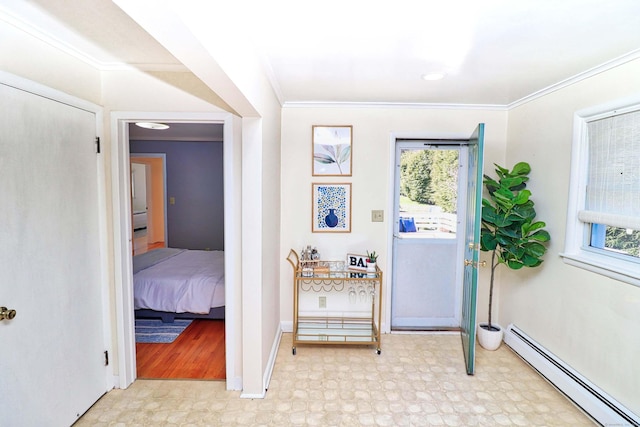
(195, 180)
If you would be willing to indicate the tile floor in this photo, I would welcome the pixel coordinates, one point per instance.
(418, 380)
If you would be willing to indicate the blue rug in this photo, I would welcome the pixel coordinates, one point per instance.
(154, 331)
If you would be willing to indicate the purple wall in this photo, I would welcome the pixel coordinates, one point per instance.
(195, 180)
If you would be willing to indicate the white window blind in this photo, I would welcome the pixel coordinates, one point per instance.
(613, 184)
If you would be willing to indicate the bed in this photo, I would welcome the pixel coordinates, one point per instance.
(172, 283)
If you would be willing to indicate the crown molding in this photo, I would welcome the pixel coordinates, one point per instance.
(399, 105)
(631, 56)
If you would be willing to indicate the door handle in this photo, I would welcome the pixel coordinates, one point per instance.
(475, 264)
(5, 313)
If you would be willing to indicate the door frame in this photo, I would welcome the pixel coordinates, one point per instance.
(392, 226)
(123, 239)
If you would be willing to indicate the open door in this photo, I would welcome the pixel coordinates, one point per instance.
(472, 246)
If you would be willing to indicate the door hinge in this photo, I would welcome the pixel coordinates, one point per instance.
(106, 358)
(98, 144)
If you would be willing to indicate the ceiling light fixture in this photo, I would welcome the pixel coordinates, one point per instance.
(433, 76)
(152, 125)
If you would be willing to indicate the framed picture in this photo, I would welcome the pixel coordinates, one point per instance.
(331, 208)
(332, 146)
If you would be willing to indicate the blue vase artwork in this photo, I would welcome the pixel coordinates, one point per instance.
(331, 208)
(332, 219)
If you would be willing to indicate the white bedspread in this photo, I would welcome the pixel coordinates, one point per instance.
(186, 281)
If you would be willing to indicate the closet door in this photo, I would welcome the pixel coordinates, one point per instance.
(53, 362)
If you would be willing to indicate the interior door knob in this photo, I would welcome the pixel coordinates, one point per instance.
(5, 313)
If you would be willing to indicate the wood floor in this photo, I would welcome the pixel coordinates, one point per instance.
(140, 245)
(198, 353)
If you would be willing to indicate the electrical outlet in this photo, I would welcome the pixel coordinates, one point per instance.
(377, 216)
(322, 302)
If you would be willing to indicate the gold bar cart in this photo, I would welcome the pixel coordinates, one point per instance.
(331, 327)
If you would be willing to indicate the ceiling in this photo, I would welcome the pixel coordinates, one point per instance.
(492, 52)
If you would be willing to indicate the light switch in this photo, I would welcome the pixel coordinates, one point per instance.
(172, 200)
(377, 216)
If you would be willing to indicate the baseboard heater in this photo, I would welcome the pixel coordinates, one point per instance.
(604, 409)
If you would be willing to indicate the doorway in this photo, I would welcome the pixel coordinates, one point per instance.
(194, 224)
(428, 239)
(123, 240)
(148, 196)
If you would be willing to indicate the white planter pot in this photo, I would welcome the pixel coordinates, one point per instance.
(371, 269)
(489, 340)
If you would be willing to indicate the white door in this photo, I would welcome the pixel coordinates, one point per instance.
(52, 367)
(427, 277)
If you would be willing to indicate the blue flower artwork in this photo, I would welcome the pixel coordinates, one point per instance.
(331, 207)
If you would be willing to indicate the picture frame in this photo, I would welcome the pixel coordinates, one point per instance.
(332, 148)
(331, 207)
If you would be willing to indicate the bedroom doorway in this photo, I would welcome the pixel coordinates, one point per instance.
(180, 201)
(123, 268)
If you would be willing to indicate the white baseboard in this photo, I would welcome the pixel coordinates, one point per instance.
(603, 408)
(234, 384)
(272, 359)
(266, 379)
(253, 395)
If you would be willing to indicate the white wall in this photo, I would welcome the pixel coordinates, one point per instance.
(372, 128)
(589, 321)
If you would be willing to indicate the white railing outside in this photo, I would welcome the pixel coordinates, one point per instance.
(430, 221)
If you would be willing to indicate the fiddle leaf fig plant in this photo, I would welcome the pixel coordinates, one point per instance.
(510, 230)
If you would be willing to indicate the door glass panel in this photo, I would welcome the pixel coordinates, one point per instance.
(428, 193)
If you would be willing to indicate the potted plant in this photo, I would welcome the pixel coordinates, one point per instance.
(510, 232)
(372, 258)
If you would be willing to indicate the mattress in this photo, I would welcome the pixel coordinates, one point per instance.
(179, 280)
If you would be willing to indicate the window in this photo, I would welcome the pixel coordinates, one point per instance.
(603, 221)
